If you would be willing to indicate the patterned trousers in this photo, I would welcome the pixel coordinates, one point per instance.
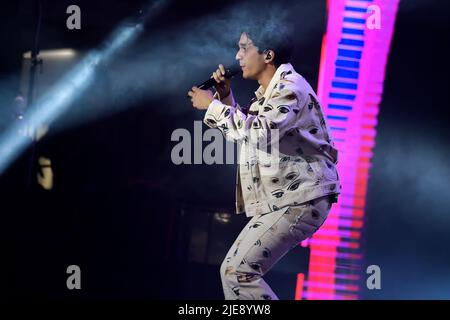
(264, 240)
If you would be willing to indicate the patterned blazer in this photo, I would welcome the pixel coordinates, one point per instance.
(286, 156)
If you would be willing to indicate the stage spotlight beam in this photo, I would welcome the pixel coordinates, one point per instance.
(58, 98)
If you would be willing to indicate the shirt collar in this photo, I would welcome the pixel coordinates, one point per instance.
(260, 92)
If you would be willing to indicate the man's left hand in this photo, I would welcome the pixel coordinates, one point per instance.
(200, 98)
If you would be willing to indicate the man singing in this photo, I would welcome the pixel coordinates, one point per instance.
(288, 193)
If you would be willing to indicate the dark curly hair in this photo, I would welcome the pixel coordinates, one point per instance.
(270, 34)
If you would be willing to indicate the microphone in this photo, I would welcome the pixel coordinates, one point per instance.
(229, 73)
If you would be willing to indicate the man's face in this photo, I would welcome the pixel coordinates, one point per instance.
(251, 62)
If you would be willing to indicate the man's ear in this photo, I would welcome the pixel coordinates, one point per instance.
(270, 55)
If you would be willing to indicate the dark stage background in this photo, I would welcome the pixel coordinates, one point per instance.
(141, 227)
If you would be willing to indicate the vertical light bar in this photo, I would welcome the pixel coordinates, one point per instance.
(351, 76)
(299, 286)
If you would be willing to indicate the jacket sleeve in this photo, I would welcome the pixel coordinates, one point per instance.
(279, 115)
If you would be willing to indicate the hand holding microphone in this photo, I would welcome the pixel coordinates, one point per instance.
(222, 84)
(220, 79)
